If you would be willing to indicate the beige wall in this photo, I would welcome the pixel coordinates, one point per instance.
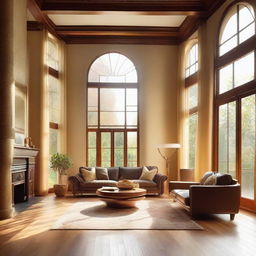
(207, 38)
(35, 60)
(20, 42)
(20, 64)
(157, 72)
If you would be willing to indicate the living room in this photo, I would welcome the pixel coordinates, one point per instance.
(154, 96)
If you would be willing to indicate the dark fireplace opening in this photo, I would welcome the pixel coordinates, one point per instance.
(20, 193)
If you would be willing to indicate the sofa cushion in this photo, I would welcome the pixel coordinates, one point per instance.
(145, 183)
(148, 174)
(182, 195)
(129, 173)
(99, 183)
(211, 180)
(102, 173)
(224, 179)
(113, 173)
(206, 175)
(88, 175)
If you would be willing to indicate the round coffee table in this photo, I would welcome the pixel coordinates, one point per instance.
(121, 198)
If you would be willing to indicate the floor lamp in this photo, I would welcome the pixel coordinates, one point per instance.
(166, 158)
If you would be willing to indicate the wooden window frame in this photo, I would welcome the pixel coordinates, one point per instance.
(113, 129)
(196, 62)
(235, 94)
(54, 73)
(189, 82)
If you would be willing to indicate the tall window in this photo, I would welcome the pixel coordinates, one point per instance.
(112, 112)
(54, 100)
(235, 113)
(191, 104)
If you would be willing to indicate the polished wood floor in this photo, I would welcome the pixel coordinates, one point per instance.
(28, 234)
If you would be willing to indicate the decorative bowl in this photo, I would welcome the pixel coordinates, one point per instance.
(127, 184)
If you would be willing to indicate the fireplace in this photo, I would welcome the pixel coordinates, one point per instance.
(23, 173)
(19, 180)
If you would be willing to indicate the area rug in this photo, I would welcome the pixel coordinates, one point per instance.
(150, 214)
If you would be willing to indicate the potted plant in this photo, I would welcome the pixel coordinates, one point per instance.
(60, 163)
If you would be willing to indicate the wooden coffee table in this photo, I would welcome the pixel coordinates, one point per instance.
(121, 198)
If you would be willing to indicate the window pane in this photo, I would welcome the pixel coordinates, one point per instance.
(119, 157)
(132, 139)
(244, 69)
(131, 118)
(105, 140)
(226, 78)
(52, 55)
(109, 119)
(92, 139)
(247, 33)
(192, 140)
(227, 139)
(105, 157)
(223, 139)
(93, 119)
(54, 99)
(112, 68)
(230, 28)
(119, 139)
(112, 99)
(192, 69)
(53, 141)
(246, 16)
(132, 155)
(131, 97)
(91, 157)
(53, 148)
(228, 45)
(192, 55)
(193, 96)
(248, 146)
(92, 99)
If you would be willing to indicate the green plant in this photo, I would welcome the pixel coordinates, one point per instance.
(60, 163)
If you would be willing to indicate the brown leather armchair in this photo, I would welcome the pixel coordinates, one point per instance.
(207, 199)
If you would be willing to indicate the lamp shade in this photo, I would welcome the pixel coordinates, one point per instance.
(170, 145)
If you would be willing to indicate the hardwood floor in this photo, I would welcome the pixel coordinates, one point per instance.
(28, 234)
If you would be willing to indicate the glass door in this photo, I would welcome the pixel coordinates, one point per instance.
(248, 150)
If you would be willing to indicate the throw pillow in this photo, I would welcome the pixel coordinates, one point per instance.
(224, 179)
(88, 175)
(211, 180)
(148, 175)
(204, 178)
(102, 173)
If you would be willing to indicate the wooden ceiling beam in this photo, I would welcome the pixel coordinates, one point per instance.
(183, 6)
(123, 34)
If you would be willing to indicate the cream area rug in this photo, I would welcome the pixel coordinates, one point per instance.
(150, 214)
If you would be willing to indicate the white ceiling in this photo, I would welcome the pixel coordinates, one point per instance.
(117, 19)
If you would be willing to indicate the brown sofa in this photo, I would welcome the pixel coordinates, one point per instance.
(207, 199)
(155, 187)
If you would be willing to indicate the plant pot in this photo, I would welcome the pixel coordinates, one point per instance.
(60, 190)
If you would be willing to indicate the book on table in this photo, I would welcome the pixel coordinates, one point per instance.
(108, 188)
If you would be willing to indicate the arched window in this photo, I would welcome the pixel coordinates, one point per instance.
(235, 100)
(112, 112)
(191, 105)
(237, 27)
(112, 68)
(192, 60)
